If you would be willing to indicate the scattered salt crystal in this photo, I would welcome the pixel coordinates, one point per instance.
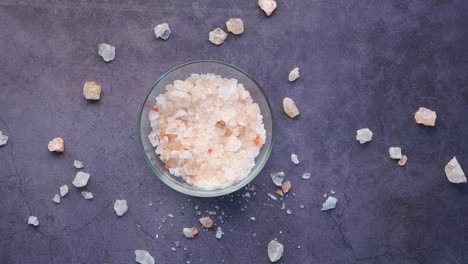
(301, 206)
(305, 176)
(32, 220)
(78, 164)
(143, 257)
(275, 250)
(217, 36)
(170, 215)
(190, 232)
(268, 6)
(294, 74)
(403, 160)
(395, 152)
(290, 108)
(332, 191)
(206, 221)
(277, 178)
(235, 25)
(288, 212)
(325, 195)
(252, 218)
(56, 144)
(106, 51)
(454, 171)
(162, 31)
(63, 190)
(177, 243)
(219, 232)
(279, 192)
(56, 198)
(247, 194)
(81, 179)
(283, 206)
(3, 139)
(173, 248)
(92, 90)
(211, 212)
(329, 204)
(294, 159)
(120, 207)
(286, 186)
(425, 117)
(272, 196)
(87, 195)
(364, 135)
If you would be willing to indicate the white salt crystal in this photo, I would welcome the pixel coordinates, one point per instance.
(395, 152)
(364, 135)
(3, 139)
(189, 232)
(283, 206)
(143, 257)
(63, 190)
(272, 196)
(81, 179)
(288, 212)
(120, 207)
(454, 171)
(305, 176)
(277, 178)
(219, 232)
(268, 6)
(294, 74)
(92, 90)
(32, 220)
(294, 159)
(252, 218)
(235, 25)
(290, 108)
(56, 198)
(425, 117)
(217, 36)
(275, 250)
(56, 145)
(233, 144)
(329, 204)
(162, 31)
(78, 164)
(87, 195)
(170, 216)
(106, 51)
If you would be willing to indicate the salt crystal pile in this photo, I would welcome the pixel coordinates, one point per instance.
(206, 221)
(277, 178)
(364, 135)
(162, 31)
(106, 51)
(81, 179)
(235, 25)
(290, 108)
(275, 250)
(63, 190)
(219, 232)
(143, 257)
(223, 112)
(56, 145)
(3, 139)
(56, 199)
(425, 117)
(32, 220)
(268, 6)
(329, 204)
(294, 159)
(217, 36)
(403, 160)
(87, 195)
(78, 164)
(395, 152)
(190, 232)
(92, 90)
(293, 75)
(120, 207)
(454, 171)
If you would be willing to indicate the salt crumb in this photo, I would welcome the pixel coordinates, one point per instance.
(32, 220)
(87, 195)
(454, 171)
(294, 159)
(252, 218)
(56, 199)
(78, 164)
(288, 212)
(63, 190)
(219, 232)
(272, 196)
(3, 139)
(120, 207)
(170, 215)
(290, 108)
(293, 74)
(395, 152)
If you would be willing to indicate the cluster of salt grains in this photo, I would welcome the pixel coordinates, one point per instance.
(207, 129)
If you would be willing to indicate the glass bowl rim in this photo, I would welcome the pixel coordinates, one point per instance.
(200, 192)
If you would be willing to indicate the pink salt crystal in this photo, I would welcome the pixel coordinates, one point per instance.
(206, 221)
(290, 108)
(403, 160)
(56, 145)
(425, 117)
(268, 6)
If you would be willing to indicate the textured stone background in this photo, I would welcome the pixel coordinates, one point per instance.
(364, 64)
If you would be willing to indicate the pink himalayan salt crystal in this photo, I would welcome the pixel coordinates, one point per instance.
(235, 26)
(190, 232)
(268, 6)
(56, 145)
(403, 160)
(206, 221)
(217, 36)
(290, 108)
(454, 171)
(425, 117)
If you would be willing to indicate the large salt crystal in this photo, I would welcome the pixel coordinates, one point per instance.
(78, 164)
(32, 220)
(275, 250)
(106, 51)
(3, 139)
(268, 6)
(425, 117)
(329, 204)
(143, 257)
(87, 195)
(92, 90)
(293, 75)
(56, 145)
(454, 171)
(290, 108)
(364, 135)
(217, 36)
(56, 198)
(162, 31)
(235, 25)
(120, 207)
(294, 159)
(395, 153)
(233, 144)
(81, 179)
(277, 178)
(190, 232)
(63, 190)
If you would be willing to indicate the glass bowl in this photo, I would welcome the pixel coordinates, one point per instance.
(181, 72)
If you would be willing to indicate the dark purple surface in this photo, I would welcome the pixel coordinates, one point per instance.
(363, 63)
